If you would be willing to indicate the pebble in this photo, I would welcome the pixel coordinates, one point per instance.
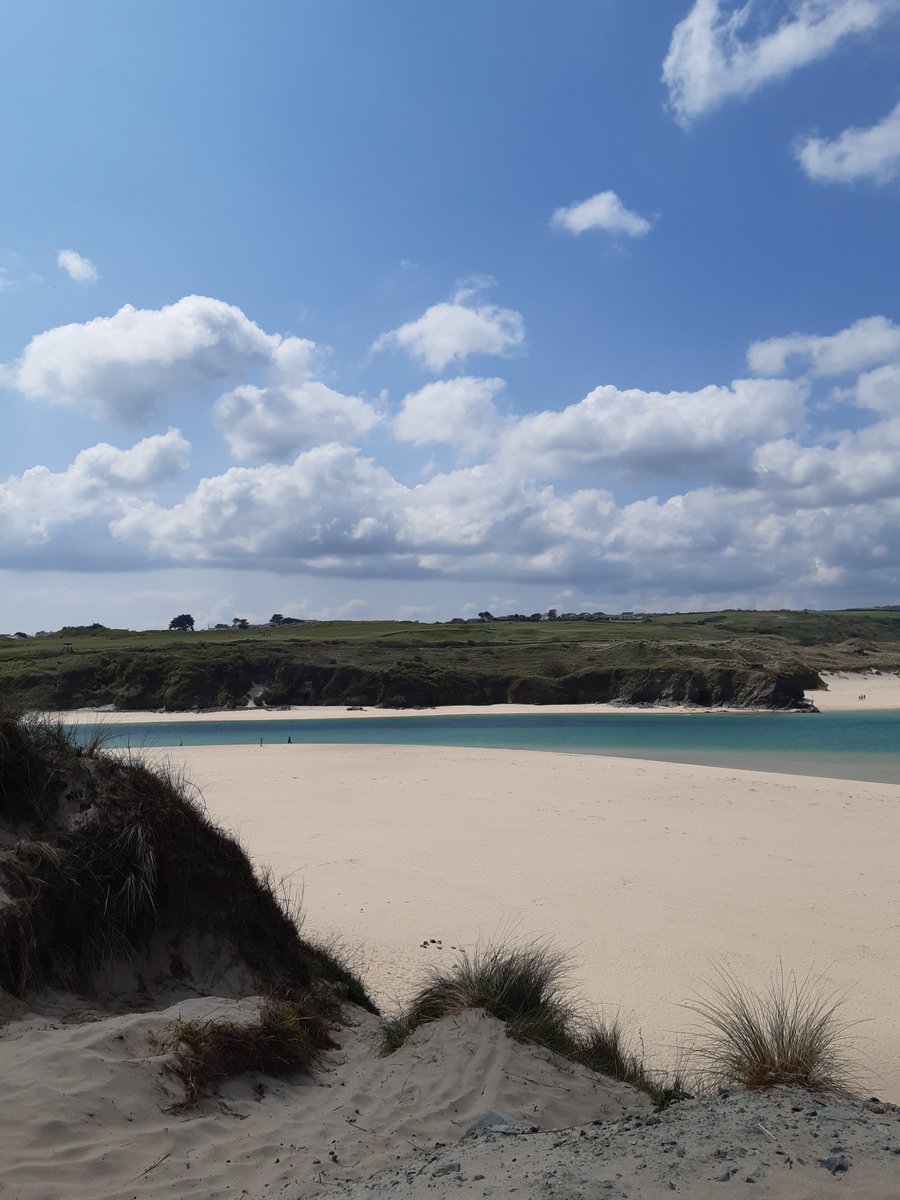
(446, 1169)
(837, 1164)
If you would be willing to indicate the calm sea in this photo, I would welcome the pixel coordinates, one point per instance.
(839, 745)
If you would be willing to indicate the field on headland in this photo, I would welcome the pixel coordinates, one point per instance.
(745, 659)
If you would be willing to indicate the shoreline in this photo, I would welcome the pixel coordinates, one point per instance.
(881, 691)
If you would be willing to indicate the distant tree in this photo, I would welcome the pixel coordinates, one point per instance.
(184, 621)
(276, 619)
(552, 614)
(240, 623)
(485, 616)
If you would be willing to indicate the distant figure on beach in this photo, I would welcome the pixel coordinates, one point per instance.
(260, 741)
(289, 739)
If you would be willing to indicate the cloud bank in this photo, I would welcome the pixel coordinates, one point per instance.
(721, 491)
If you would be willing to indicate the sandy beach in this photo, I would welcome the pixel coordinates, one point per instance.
(649, 873)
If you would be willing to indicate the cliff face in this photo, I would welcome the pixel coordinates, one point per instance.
(178, 686)
(707, 688)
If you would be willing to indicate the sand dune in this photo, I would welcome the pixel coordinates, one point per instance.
(83, 1108)
(85, 1115)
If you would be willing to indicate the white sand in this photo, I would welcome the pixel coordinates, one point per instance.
(878, 690)
(85, 1115)
(649, 873)
(83, 1108)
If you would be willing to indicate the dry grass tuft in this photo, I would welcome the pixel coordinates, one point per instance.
(789, 1035)
(288, 1039)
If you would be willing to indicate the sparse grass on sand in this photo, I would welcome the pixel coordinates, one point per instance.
(789, 1035)
(524, 986)
(289, 1038)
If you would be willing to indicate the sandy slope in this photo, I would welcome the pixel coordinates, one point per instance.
(83, 1108)
(85, 1115)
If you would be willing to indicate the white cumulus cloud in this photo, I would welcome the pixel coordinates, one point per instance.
(82, 270)
(603, 211)
(329, 510)
(39, 507)
(128, 365)
(709, 433)
(713, 57)
(872, 153)
(451, 332)
(457, 411)
(273, 424)
(865, 343)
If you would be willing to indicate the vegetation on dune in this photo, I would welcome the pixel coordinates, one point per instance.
(288, 1038)
(116, 867)
(790, 1035)
(524, 987)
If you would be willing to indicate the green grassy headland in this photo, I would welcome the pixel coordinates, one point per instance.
(732, 657)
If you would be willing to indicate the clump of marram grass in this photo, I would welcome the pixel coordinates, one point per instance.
(288, 1038)
(521, 986)
(524, 987)
(790, 1035)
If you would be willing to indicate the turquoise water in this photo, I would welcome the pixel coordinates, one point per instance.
(840, 745)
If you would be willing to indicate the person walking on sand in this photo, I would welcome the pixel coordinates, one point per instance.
(260, 741)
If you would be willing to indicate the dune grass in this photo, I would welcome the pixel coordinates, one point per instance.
(791, 1034)
(115, 856)
(289, 1038)
(524, 987)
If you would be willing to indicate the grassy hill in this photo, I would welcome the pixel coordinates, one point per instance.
(735, 657)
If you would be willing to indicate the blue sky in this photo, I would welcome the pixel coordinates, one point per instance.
(412, 309)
